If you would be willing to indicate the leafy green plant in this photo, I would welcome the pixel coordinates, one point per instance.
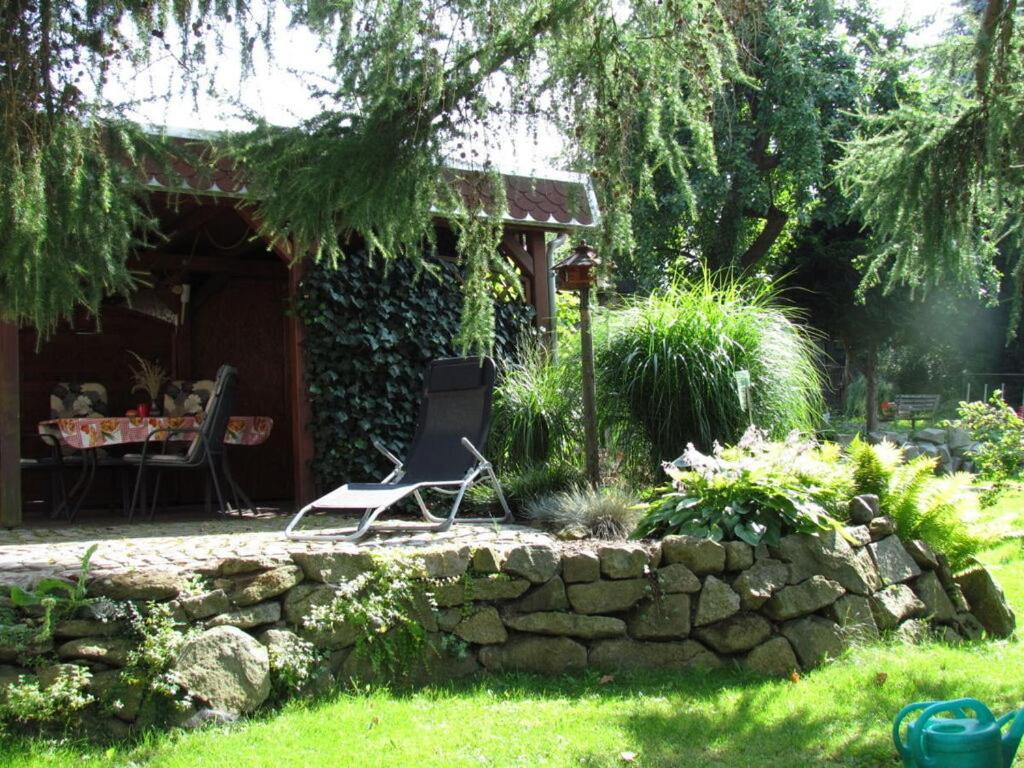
(873, 466)
(56, 598)
(383, 604)
(604, 513)
(159, 638)
(291, 665)
(999, 433)
(27, 702)
(757, 491)
(522, 485)
(667, 364)
(371, 329)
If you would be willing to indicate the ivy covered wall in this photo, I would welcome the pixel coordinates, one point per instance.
(371, 329)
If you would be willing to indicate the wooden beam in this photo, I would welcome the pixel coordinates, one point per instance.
(302, 439)
(180, 262)
(10, 428)
(539, 277)
(513, 248)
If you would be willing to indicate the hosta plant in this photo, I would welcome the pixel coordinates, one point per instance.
(756, 491)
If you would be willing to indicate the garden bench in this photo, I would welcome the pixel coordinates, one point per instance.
(914, 406)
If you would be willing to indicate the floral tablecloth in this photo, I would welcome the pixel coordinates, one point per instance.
(94, 432)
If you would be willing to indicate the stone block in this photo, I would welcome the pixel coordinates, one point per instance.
(483, 627)
(814, 639)
(892, 561)
(738, 555)
(249, 616)
(226, 669)
(625, 654)
(862, 509)
(829, 553)
(894, 605)
(987, 602)
(921, 554)
(537, 654)
(205, 605)
(666, 617)
(853, 613)
(497, 586)
(607, 596)
(677, 578)
(736, 634)
(579, 567)
(549, 596)
(702, 556)
(487, 559)
(263, 586)
(717, 601)
(447, 563)
(112, 651)
(804, 598)
(773, 658)
(536, 563)
(881, 527)
(758, 583)
(333, 567)
(567, 625)
(137, 585)
(937, 604)
(622, 561)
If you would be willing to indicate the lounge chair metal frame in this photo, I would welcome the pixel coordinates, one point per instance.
(480, 469)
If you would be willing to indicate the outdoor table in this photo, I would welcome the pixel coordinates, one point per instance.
(94, 432)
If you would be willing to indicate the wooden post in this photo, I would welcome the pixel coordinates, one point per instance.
(303, 449)
(538, 251)
(10, 428)
(589, 391)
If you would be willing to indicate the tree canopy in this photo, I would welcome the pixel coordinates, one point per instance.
(411, 77)
(939, 182)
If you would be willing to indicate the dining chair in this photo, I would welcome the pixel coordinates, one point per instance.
(187, 398)
(205, 451)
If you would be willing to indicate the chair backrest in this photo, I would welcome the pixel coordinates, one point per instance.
(71, 400)
(457, 395)
(187, 398)
(219, 410)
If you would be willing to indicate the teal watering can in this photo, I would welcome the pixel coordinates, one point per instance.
(956, 740)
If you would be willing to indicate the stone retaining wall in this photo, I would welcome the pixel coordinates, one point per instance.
(549, 609)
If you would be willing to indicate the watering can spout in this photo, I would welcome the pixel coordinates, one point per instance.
(1013, 736)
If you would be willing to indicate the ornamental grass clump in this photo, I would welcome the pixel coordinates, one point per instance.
(667, 363)
(756, 491)
(603, 513)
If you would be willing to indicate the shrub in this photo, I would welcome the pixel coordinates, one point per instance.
(522, 485)
(536, 409)
(757, 491)
(999, 433)
(26, 702)
(604, 513)
(873, 466)
(667, 364)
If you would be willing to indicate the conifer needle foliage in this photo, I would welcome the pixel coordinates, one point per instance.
(412, 80)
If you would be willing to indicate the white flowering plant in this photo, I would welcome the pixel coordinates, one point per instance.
(756, 491)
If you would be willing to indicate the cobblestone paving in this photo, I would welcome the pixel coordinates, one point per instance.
(28, 554)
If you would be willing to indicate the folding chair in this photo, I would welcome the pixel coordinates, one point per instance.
(445, 455)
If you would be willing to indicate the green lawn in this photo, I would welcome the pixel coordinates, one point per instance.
(837, 716)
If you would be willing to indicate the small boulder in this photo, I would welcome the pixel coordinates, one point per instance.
(497, 586)
(549, 596)
(912, 632)
(225, 668)
(702, 556)
(446, 563)
(773, 658)
(567, 625)
(248, 616)
(853, 613)
(667, 617)
(622, 561)
(607, 596)
(137, 585)
(536, 563)
(625, 654)
(894, 605)
(932, 435)
(483, 627)
(758, 583)
(937, 604)
(894, 564)
(333, 567)
(242, 565)
(987, 601)
(265, 585)
(487, 559)
(738, 555)
(862, 509)
(882, 526)
(717, 601)
(677, 578)
(814, 639)
(799, 600)
(529, 653)
(579, 567)
(112, 651)
(736, 634)
(921, 554)
(205, 605)
(857, 535)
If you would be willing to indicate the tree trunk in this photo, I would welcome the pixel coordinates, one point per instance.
(589, 391)
(774, 221)
(871, 377)
(10, 428)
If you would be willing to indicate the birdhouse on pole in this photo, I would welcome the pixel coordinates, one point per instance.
(576, 271)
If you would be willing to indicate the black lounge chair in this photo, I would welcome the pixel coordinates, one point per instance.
(452, 426)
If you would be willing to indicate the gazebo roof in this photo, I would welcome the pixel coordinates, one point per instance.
(550, 199)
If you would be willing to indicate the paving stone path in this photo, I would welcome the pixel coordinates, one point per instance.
(28, 554)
